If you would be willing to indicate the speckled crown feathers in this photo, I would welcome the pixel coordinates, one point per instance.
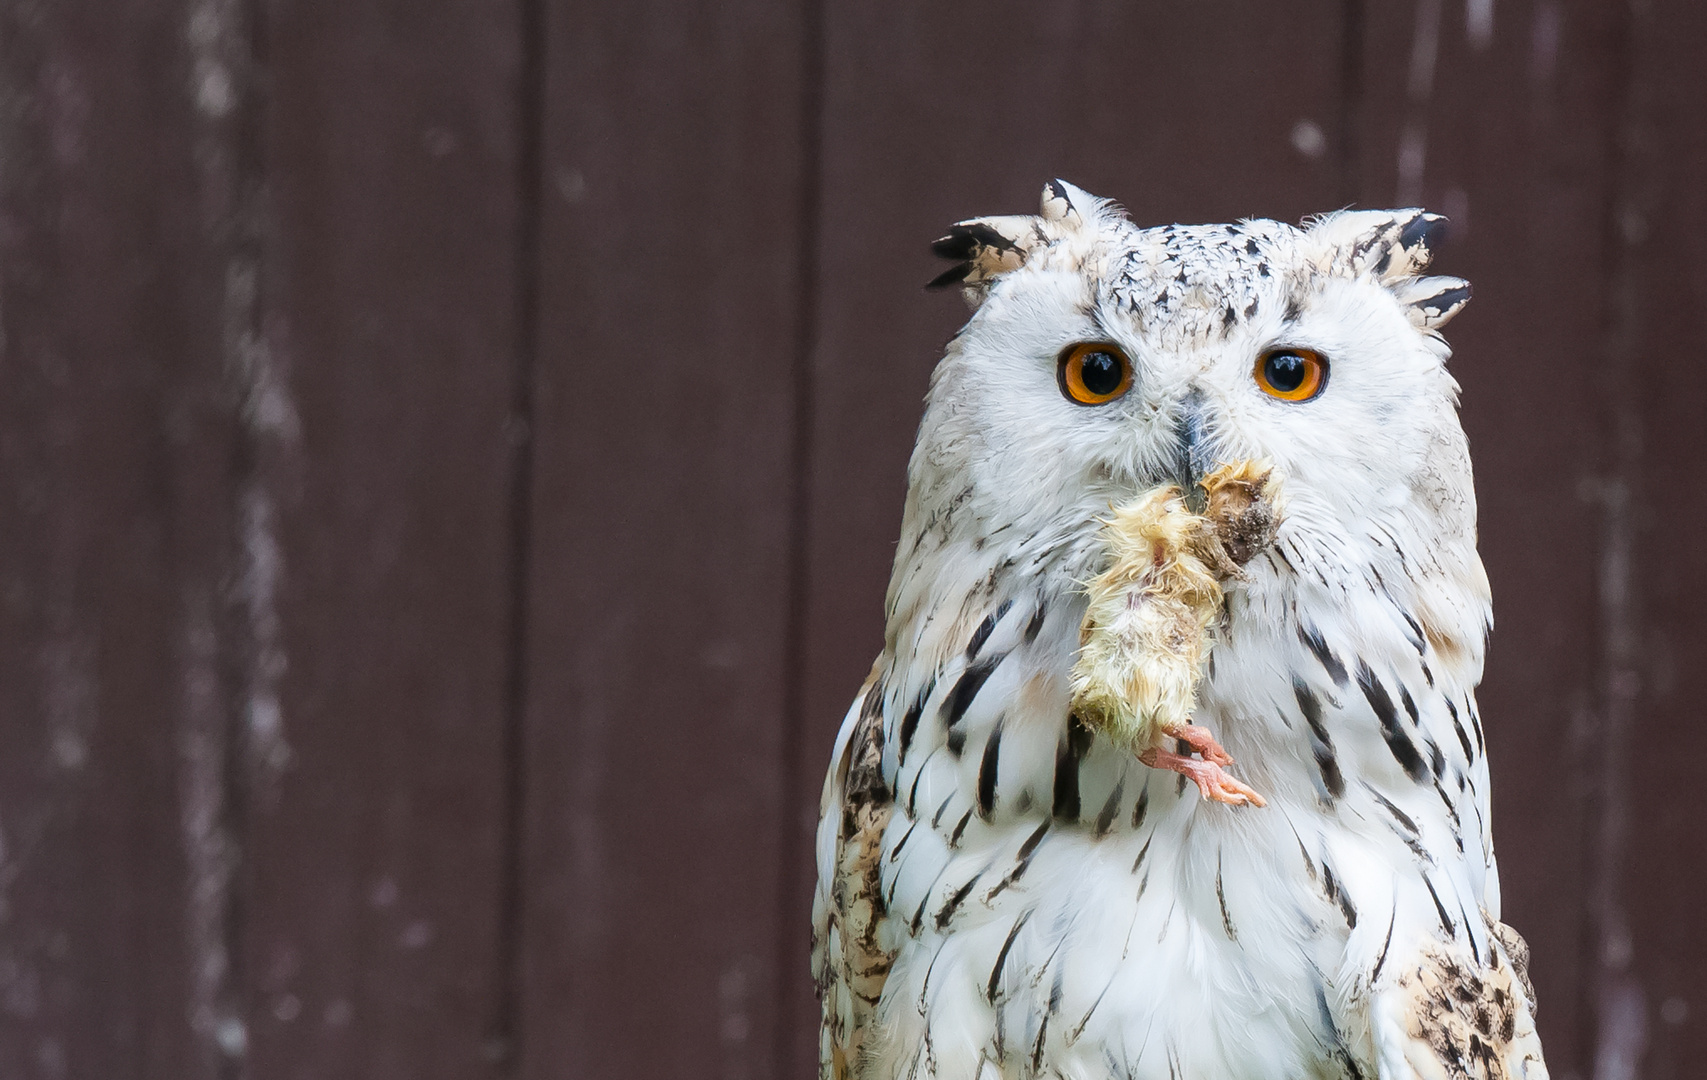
(1392, 247)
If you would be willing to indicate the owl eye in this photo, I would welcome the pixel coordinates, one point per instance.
(1094, 373)
(1292, 374)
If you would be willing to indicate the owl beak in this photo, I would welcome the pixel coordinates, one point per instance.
(1194, 457)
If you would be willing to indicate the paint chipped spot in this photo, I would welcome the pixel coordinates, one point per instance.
(20, 987)
(439, 141)
(232, 1035)
(215, 95)
(571, 184)
(734, 991)
(203, 31)
(69, 693)
(1309, 139)
(1479, 23)
(50, 1055)
(262, 577)
(209, 852)
(1544, 37)
(384, 893)
(722, 655)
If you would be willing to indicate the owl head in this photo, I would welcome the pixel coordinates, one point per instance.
(1102, 359)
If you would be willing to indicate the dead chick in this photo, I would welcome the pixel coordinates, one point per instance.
(1149, 626)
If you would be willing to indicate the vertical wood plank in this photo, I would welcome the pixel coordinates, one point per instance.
(939, 112)
(374, 541)
(1506, 123)
(665, 428)
(1650, 996)
(115, 443)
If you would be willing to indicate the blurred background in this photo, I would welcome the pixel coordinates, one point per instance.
(451, 452)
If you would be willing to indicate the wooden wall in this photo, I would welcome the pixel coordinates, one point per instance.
(451, 451)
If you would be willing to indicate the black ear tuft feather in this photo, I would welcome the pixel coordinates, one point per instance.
(1431, 302)
(1450, 300)
(1427, 231)
(979, 248)
(958, 244)
(1435, 310)
(984, 234)
(967, 243)
(954, 275)
(988, 247)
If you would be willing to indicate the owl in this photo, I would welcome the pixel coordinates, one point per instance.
(1008, 888)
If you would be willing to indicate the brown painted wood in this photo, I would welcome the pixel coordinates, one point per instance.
(380, 485)
(939, 112)
(271, 342)
(1657, 443)
(669, 302)
(1514, 127)
(115, 445)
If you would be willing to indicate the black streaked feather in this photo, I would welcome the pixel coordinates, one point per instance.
(955, 900)
(1143, 851)
(910, 721)
(1404, 751)
(1036, 623)
(987, 771)
(1111, 807)
(1399, 815)
(981, 635)
(1463, 737)
(1002, 956)
(1322, 745)
(1075, 743)
(1221, 898)
(1409, 704)
(1446, 922)
(966, 689)
(1312, 639)
(1382, 959)
(1022, 860)
(959, 829)
(956, 741)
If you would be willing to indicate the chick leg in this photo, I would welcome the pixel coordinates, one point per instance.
(1211, 779)
(1200, 740)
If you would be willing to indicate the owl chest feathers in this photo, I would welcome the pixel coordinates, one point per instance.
(1023, 886)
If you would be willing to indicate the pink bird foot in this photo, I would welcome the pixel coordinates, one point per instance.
(1199, 739)
(1211, 779)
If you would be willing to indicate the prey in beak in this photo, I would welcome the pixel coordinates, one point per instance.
(1150, 624)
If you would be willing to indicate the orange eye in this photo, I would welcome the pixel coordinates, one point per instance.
(1292, 374)
(1094, 373)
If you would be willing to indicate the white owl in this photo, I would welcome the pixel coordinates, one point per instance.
(1004, 891)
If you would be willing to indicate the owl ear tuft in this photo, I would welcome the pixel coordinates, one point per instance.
(1067, 204)
(985, 247)
(1390, 245)
(1395, 247)
(1430, 302)
(1414, 248)
(1408, 252)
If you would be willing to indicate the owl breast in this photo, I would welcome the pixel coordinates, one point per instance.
(1045, 902)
